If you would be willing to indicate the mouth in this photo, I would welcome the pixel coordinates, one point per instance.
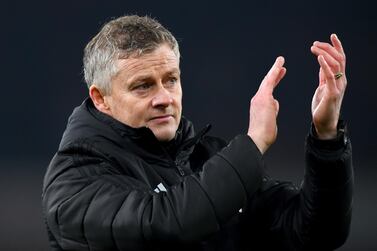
(161, 119)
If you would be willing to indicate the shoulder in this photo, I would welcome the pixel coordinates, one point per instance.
(213, 143)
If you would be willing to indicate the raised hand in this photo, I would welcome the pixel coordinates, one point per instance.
(264, 108)
(327, 99)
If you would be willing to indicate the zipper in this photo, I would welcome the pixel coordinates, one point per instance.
(190, 142)
(180, 170)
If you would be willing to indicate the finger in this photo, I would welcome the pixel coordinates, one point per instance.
(337, 44)
(330, 50)
(282, 73)
(335, 65)
(322, 79)
(270, 81)
(328, 73)
(275, 69)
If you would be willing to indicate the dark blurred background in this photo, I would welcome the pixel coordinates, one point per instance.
(227, 47)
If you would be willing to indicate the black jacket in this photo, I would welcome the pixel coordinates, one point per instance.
(112, 187)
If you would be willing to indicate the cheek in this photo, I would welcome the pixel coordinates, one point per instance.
(139, 112)
(178, 98)
(131, 112)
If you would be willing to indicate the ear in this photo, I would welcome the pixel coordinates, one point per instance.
(99, 100)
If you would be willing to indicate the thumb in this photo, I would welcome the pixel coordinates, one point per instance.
(277, 106)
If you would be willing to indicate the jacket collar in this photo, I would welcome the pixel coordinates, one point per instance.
(185, 136)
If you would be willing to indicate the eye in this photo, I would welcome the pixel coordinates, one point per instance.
(141, 89)
(142, 86)
(172, 81)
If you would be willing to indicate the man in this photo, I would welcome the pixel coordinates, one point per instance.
(131, 173)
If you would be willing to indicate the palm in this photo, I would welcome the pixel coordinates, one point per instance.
(327, 99)
(326, 102)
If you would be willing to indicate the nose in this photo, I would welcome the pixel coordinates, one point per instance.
(162, 98)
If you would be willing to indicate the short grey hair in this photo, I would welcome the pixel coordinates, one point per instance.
(121, 38)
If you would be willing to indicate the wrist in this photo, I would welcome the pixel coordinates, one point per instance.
(326, 131)
(261, 145)
(338, 142)
(326, 135)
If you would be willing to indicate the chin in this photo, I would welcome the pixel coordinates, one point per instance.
(164, 135)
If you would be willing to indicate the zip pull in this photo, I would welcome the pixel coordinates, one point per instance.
(180, 170)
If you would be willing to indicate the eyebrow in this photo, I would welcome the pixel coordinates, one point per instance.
(143, 77)
(173, 72)
(139, 78)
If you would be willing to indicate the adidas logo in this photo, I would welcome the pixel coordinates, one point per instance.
(160, 188)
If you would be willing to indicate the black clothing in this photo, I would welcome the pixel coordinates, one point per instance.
(113, 187)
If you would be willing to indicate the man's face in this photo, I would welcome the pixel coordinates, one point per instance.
(147, 92)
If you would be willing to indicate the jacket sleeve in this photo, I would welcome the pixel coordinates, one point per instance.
(316, 216)
(86, 210)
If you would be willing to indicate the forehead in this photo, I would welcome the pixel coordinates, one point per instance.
(160, 60)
